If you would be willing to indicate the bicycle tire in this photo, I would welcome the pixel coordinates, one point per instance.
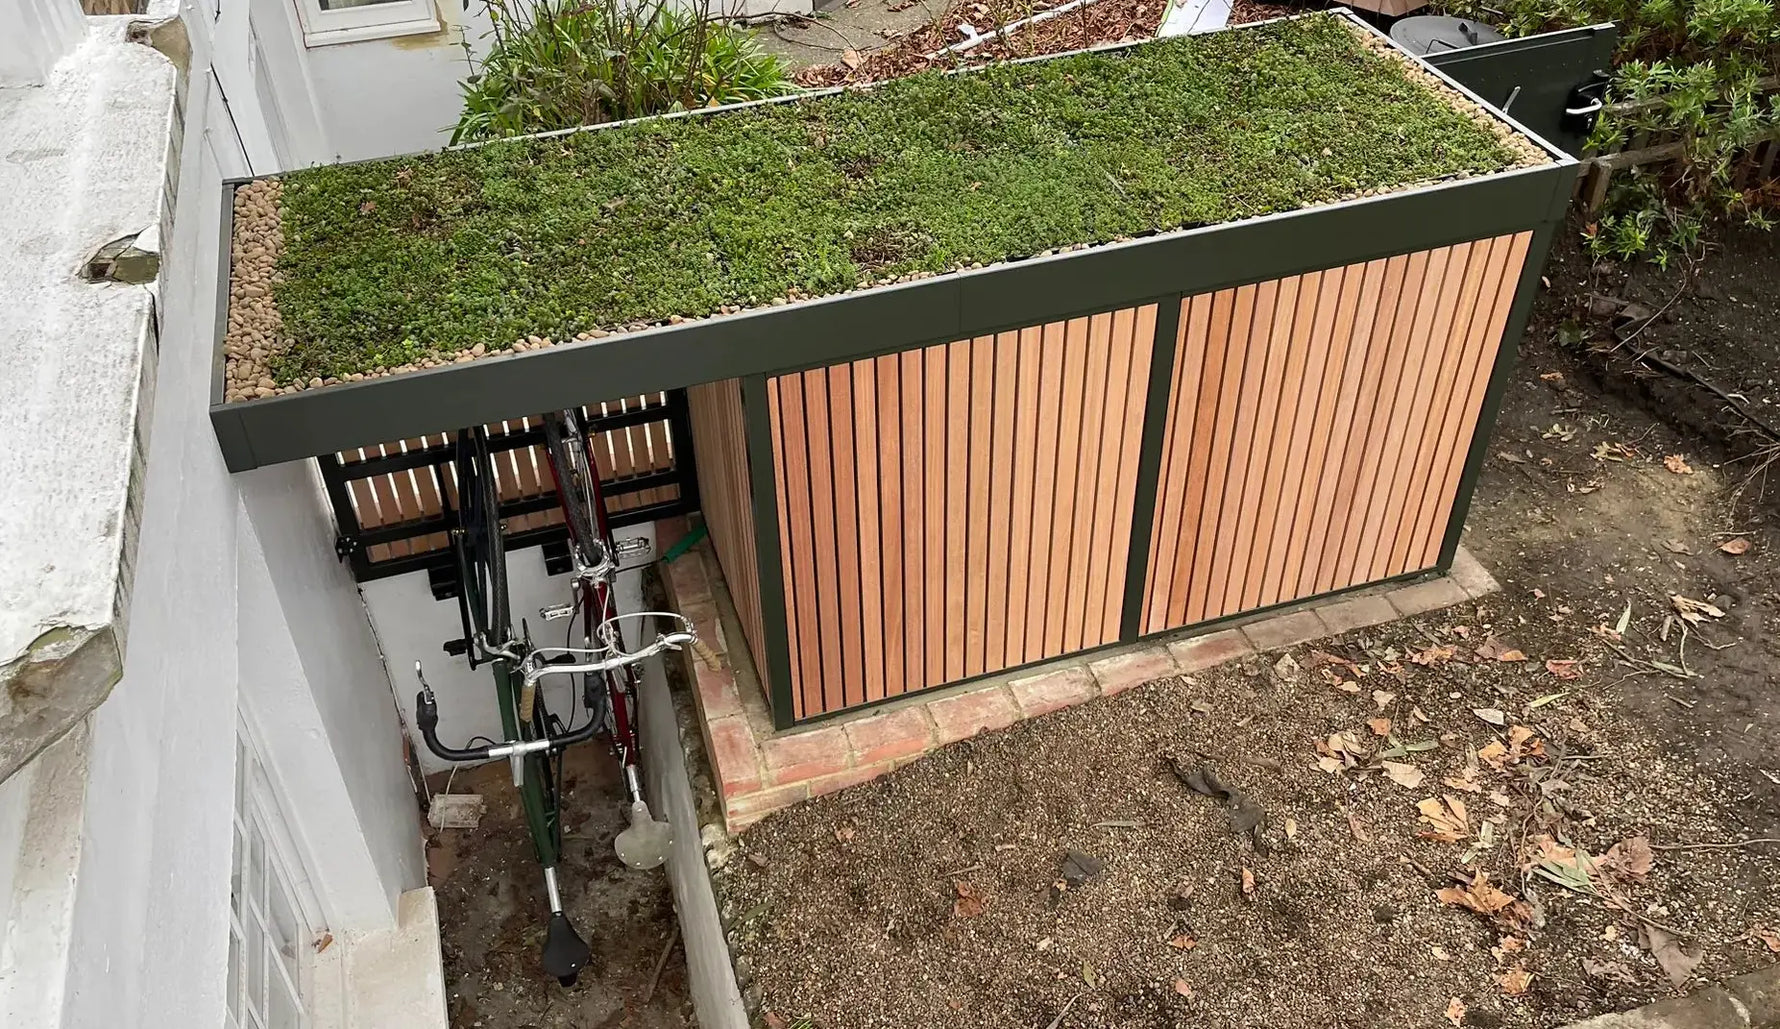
(482, 549)
(565, 443)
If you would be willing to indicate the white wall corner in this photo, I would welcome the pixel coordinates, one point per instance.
(42, 810)
(394, 978)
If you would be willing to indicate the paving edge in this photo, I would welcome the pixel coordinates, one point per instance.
(1748, 1001)
(710, 974)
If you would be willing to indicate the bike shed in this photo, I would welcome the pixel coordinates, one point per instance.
(922, 486)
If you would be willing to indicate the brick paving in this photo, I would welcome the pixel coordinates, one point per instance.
(761, 770)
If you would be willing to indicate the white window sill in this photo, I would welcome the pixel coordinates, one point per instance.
(366, 33)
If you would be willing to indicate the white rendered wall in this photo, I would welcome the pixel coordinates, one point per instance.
(117, 905)
(411, 626)
(313, 682)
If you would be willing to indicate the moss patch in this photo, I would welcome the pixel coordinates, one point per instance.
(392, 262)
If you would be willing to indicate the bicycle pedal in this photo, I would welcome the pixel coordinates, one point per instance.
(633, 546)
(646, 843)
(556, 613)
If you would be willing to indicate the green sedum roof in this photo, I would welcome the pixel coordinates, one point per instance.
(392, 262)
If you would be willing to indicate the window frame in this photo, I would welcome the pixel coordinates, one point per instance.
(385, 20)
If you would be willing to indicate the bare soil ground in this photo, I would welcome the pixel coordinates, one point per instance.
(493, 911)
(941, 896)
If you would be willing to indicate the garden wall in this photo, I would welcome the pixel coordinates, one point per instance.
(947, 512)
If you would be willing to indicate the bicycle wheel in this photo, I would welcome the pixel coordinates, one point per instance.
(482, 549)
(577, 483)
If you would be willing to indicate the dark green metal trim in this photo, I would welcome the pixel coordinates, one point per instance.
(883, 320)
(1184, 632)
(1524, 295)
(775, 621)
(1149, 463)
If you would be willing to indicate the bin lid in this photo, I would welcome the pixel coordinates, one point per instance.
(1436, 33)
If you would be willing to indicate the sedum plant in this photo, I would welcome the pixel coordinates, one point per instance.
(1700, 70)
(559, 64)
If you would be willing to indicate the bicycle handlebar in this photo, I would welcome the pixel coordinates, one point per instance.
(534, 666)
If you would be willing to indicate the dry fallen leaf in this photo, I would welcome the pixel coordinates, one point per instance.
(326, 940)
(1357, 827)
(1466, 784)
(1492, 715)
(1291, 827)
(1479, 895)
(1736, 547)
(1181, 987)
(1676, 547)
(1631, 858)
(1507, 945)
(1382, 698)
(1769, 937)
(1379, 726)
(1493, 649)
(1493, 754)
(1677, 464)
(1515, 981)
(1692, 611)
(1183, 942)
(1332, 765)
(843, 833)
(1248, 884)
(1405, 775)
(1615, 970)
(1455, 1011)
(1565, 669)
(1675, 962)
(1432, 655)
(969, 903)
(1448, 818)
(1524, 742)
(850, 58)
(1419, 715)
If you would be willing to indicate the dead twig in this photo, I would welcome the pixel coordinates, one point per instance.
(1730, 845)
(1055, 1022)
(660, 963)
(962, 871)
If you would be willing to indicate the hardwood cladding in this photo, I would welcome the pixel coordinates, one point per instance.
(956, 510)
(720, 441)
(1318, 426)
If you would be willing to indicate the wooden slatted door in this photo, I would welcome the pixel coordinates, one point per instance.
(720, 439)
(952, 511)
(1318, 426)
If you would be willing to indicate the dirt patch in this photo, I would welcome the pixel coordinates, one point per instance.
(1693, 341)
(492, 911)
(846, 47)
(932, 897)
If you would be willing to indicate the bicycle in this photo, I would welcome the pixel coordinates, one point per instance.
(534, 736)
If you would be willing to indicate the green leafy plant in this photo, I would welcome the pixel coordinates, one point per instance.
(396, 261)
(1699, 73)
(559, 64)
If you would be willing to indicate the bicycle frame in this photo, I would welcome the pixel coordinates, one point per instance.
(530, 741)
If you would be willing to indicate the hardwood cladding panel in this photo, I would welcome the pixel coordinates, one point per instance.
(1318, 427)
(720, 438)
(954, 511)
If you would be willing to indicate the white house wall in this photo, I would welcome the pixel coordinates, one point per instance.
(313, 683)
(116, 880)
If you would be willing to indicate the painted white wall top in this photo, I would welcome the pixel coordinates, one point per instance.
(39, 33)
(83, 162)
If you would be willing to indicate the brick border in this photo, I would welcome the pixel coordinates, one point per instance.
(759, 769)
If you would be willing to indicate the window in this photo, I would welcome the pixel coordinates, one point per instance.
(350, 21)
(272, 913)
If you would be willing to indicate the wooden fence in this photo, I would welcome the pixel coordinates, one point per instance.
(1754, 167)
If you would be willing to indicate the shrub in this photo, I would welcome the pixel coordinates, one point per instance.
(1694, 71)
(558, 64)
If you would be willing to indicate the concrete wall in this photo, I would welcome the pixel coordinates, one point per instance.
(116, 877)
(394, 96)
(412, 626)
(312, 680)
